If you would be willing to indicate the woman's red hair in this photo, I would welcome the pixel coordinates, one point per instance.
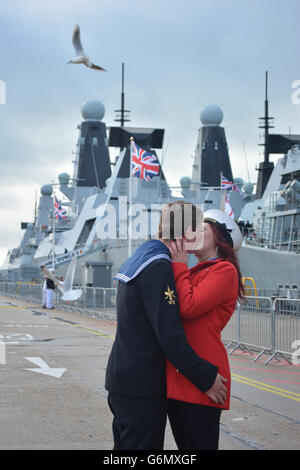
(226, 251)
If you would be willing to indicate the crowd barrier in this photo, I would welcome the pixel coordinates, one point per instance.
(98, 302)
(267, 325)
(261, 325)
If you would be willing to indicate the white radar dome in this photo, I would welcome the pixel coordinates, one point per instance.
(46, 190)
(238, 181)
(212, 115)
(185, 182)
(92, 110)
(63, 178)
(248, 188)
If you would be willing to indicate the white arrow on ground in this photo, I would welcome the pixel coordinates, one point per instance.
(44, 368)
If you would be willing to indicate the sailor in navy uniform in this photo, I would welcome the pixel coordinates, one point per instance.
(149, 329)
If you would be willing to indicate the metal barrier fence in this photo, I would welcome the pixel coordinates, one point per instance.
(286, 324)
(269, 326)
(98, 302)
(262, 324)
(97, 298)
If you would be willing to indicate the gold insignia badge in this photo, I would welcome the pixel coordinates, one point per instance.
(170, 296)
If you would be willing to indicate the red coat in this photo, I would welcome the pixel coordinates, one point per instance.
(207, 296)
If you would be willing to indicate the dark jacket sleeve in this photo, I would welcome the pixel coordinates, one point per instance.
(159, 296)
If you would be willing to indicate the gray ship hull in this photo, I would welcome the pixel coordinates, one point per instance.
(270, 268)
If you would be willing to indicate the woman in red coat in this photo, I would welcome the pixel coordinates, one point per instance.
(207, 296)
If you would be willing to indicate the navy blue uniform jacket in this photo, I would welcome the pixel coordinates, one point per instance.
(149, 329)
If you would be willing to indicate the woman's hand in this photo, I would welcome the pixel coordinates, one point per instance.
(178, 252)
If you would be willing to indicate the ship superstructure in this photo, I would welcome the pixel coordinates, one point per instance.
(96, 198)
(274, 237)
(271, 251)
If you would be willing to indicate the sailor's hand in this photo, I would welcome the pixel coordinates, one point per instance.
(218, 392)
(178, 251)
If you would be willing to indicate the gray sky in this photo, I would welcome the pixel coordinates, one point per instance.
(179, 56)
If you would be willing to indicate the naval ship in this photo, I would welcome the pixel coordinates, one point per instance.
(270, 254)
(95, 200)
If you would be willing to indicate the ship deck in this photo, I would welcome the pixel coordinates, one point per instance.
(53, 394)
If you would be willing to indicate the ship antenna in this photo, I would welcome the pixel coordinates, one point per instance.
(245, 154)
(122, 117)
(35, 207)
(266, 167)
(265, 123)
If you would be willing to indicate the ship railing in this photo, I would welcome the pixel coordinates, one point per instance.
(282, 291)
(251, 237)
(285, 245)
(260, 326)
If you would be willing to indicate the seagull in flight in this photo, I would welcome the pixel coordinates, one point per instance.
(81, 57)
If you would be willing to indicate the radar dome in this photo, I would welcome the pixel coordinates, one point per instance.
(46, 190)
(239, 182)
(92, 110)
(63, 178)
(185, 182)
(248, 188)
(212, 115)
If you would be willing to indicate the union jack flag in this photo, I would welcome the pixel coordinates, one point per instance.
(144, 164)
(59, 212)
(226, 184)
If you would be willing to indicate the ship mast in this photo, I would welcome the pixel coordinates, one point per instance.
(265, 124)
(124, 113)
(266, 167)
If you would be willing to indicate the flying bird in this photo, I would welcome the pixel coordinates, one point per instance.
(66, 286)
(81, 57)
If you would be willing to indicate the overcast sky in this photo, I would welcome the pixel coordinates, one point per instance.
(179, 56)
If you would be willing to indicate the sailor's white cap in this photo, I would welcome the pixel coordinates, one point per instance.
(218, 217)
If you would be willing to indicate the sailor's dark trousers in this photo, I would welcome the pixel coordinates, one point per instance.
(194, 427)
(139, 423)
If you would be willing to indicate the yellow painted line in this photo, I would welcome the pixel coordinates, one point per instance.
(95, 332)
(268, 388)
(266, 385)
